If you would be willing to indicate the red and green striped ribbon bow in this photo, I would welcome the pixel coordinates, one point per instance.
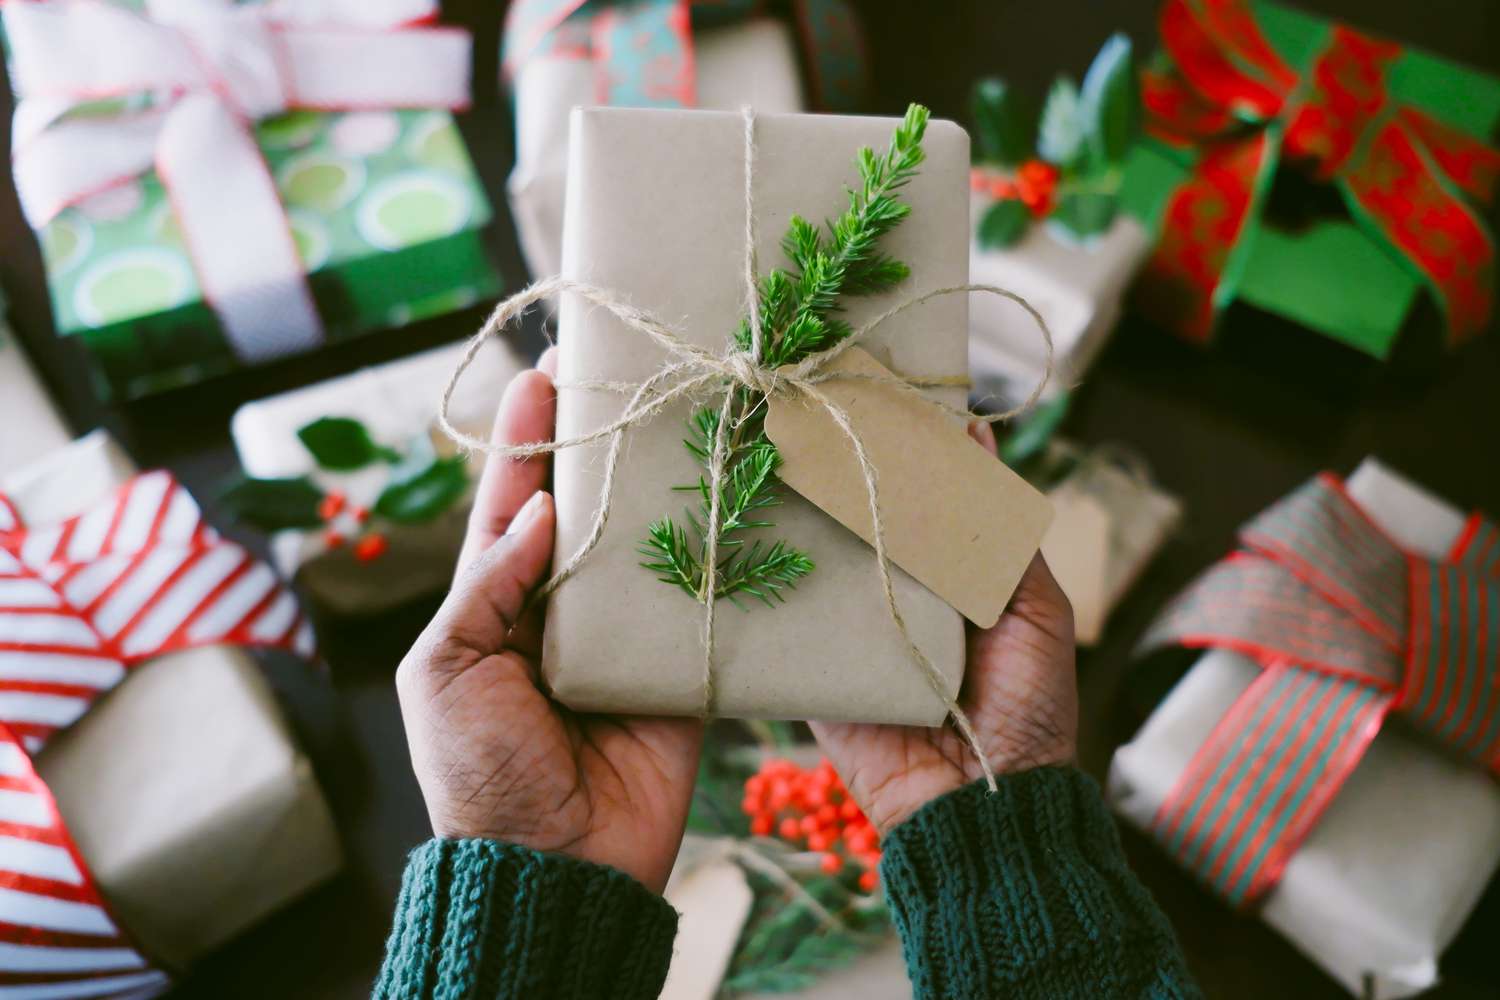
(1347, 627)
(643, 49)
(1407, 178)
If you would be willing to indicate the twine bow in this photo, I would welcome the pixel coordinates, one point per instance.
(83, 602)
(1347, 628)
(691, 371)
(1405, 175)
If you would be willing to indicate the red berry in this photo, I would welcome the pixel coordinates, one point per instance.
(761, 825)
(750, 805)
(828, 815)
(370, 547)
(755, 784)
(789, 829)
(361, 514)
(1002, 188)
(1039, 174)
(333, 539)
(819, 841)
(830, 863)
(808, 824)
(869, 881)
(850, 812)
(330, 505)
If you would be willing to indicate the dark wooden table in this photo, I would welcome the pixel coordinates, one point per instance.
(1228, 430)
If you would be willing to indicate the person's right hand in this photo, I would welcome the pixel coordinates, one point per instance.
(1019, 691)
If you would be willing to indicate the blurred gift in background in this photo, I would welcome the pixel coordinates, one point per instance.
(1314, 172)
(719, 54)
(366, 499)
(143, 829)
(1047, 225)
(1329, 763)
(241, 182)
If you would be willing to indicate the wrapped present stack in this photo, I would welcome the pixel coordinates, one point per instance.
(560, 54)
(367, 501)
(1330, 760)
(958, 527)
(1247, 96)
(1046, 223)
(148, 827)
(302, 183)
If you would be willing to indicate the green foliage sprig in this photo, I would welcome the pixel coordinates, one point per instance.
(798, 310)
(1082, 139)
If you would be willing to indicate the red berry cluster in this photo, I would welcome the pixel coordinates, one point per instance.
(1034, 184)
(335, 507)
(812, 809)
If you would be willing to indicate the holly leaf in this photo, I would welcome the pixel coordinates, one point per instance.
(342, 444)
(1002, 130)
(1003, 223)
(1086, 213)
(422, 484)
(1060, 138)
(1110, 102)
(273, 504)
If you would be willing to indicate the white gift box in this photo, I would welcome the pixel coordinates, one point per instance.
(754, 63)
(396, 402)
(1078, 287)
(1389, 873)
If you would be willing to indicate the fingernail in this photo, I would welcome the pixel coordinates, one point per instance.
(526, 514)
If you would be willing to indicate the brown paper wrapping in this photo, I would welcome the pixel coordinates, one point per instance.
(30, 426)
(395, 401)
(753, 62)
(182, 787)
(656, 213)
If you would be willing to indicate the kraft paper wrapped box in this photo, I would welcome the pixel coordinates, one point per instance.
(182, 787)
(1077, 285)
(382, 206)
(395, 402)
(656, 214)
(1388, 874)
(560, 55)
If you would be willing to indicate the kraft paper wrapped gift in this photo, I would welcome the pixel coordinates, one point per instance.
(182, 787)
(753, 63)
(1077, 285)
(1388, 874)
(656, 213)
(395, 402)
(25, 403)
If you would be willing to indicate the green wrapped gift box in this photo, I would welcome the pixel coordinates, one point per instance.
(1341, 273)
(385, 208)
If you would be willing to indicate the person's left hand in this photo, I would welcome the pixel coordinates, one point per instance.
(495, 757)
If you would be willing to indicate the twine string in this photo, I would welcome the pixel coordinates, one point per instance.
(692, 372)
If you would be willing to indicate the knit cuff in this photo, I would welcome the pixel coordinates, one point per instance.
(1025, 892)
(479, 918)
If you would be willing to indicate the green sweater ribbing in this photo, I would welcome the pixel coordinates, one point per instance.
(1020, 894)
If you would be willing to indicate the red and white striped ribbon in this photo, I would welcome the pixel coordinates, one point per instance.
(81, 603)
(207, 70)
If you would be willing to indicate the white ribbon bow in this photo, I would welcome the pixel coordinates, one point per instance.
(210, 69)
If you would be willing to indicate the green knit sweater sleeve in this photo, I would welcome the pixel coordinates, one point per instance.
(483, 920)
(1025, 893)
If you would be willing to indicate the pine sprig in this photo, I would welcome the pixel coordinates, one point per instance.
(798, 309)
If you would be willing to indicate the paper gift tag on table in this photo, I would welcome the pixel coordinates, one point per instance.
(953, 515)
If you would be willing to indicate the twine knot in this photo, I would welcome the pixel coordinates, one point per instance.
(742, 368)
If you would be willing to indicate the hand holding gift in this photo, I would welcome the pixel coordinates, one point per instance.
(498, 759)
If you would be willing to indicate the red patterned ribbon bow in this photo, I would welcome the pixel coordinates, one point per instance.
(82, 603)
(1347, 627)
(1403, 174)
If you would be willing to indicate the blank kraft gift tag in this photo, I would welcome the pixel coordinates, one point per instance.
(956, 518)
(1077, 551)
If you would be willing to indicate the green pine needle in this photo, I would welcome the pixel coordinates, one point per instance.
(798, 318)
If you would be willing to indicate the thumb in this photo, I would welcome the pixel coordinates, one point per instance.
(490, 593)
